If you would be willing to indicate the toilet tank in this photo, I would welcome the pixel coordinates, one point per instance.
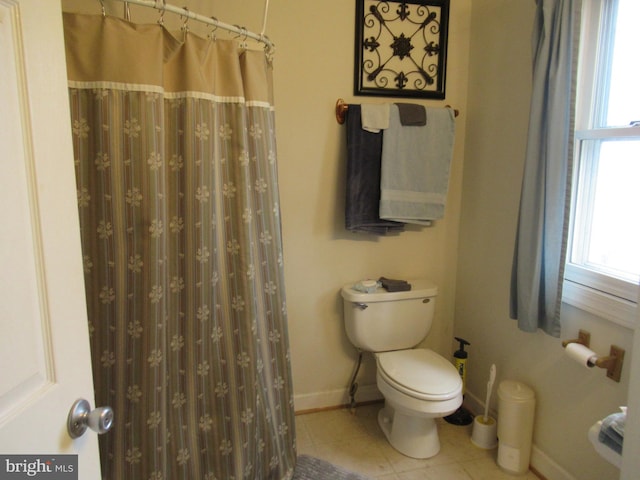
(383, 321)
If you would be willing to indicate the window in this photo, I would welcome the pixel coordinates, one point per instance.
(603, 259)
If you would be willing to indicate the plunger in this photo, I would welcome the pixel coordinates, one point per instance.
(461, 416)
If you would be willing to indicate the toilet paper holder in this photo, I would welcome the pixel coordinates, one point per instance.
(584, 338)
(612, 362)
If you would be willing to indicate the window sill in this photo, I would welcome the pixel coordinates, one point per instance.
(614, 309)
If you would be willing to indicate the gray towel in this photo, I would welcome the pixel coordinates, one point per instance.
(414, 177)
(412, 114)
(392, 285)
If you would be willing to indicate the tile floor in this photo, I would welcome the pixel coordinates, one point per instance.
(355, 442)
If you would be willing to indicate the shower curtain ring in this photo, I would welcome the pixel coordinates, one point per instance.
(212, 34)
(244, 39)
(161, 7)
(243, 34)
(185, 23)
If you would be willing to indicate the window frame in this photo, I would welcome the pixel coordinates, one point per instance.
(604, 295)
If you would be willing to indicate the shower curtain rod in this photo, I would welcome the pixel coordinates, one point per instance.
(184, 12)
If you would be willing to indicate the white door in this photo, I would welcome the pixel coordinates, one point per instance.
(44, 347)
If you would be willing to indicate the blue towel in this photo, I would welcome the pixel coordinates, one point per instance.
(364, 150)
(415, 167)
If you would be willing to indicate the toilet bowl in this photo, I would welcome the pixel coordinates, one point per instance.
(418, 384)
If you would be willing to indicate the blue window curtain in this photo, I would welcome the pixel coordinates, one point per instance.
(541, 239)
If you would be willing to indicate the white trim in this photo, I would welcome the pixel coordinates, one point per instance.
(547, 467)
(335, 398)
(603, 280)
(630, 132)
(475, 405)
(614, 309)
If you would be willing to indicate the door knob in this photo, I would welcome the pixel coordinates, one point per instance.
(100, 420)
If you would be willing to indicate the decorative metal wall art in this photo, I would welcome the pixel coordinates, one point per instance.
(401, 48)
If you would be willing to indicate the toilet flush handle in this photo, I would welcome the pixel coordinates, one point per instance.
(361, 306)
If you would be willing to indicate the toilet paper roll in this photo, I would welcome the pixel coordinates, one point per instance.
(581, 354)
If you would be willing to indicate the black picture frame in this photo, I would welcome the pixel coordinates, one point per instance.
(401, 48)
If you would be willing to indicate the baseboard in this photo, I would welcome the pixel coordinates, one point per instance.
(334, 398)
(475, 405)
(547, 468)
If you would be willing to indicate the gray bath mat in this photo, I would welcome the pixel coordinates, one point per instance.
(311, 468)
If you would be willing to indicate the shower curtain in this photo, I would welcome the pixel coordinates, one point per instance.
(177, 192)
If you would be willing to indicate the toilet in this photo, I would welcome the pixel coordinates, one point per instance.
(418, 384)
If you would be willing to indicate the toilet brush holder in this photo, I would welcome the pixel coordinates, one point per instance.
(485, 432)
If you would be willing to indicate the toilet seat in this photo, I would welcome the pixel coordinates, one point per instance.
(420, 373)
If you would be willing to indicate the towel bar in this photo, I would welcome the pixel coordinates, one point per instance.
(342, 107)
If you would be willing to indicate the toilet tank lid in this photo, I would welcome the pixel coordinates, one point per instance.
(419, 289)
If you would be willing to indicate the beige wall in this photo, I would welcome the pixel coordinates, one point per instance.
(570, 398)
(313, 67)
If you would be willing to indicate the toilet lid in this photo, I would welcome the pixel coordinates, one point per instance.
(420, 372)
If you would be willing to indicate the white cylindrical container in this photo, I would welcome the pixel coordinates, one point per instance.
(516, 406)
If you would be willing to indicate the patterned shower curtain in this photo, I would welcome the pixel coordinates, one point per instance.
(177, 191)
